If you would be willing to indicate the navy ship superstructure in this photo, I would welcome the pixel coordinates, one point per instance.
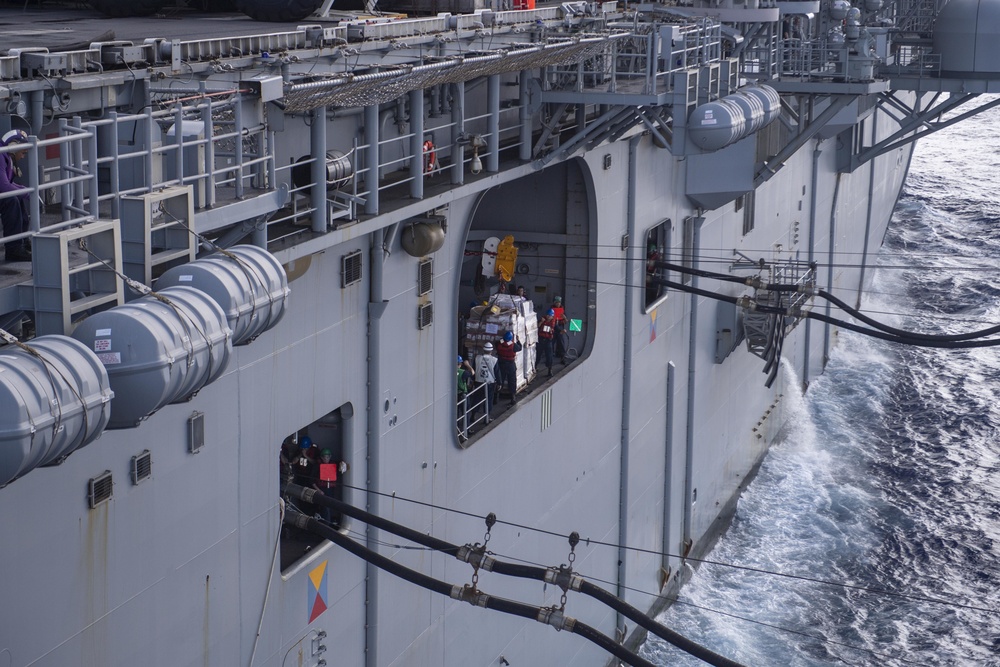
(253, 243)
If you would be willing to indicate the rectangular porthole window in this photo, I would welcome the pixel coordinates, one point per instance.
(657, 249)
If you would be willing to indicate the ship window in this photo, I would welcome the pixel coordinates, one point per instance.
(425, 315)
(425, 276)
(749, 209)
(142, 466)
(99, 489)
(314, 457)
(350, 269)
(196, 432)
(656, 247)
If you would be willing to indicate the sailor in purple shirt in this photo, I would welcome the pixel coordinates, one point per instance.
(14, 210)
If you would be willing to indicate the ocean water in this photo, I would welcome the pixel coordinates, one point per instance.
(890, 480)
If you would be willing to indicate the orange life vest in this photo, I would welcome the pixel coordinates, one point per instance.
(547, 328)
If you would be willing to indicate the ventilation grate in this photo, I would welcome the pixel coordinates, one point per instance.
(425, 277)
(425, 315)
(99, 489)
(350, 269)
(142, 466)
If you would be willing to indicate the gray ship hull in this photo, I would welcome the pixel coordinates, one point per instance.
(645, 437)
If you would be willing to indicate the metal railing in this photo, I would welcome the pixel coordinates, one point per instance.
(821, 59)
(643, 59)
(471, 404)
(86, 168)
(913, 62)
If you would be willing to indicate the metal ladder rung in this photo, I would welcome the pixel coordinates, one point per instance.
(168, 255)
(165, 224)
(80, 268)
(88, 302)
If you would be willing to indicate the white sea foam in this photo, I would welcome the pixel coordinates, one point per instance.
(890, 476)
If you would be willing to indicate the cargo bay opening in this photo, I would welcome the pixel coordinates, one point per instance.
(315, 457)
(529, 250)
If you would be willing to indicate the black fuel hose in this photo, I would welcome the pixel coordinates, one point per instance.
(678, 640)
(694, 290)
(854, 312)
(906, 339)
(518, 570)
(475, 597)
(858, 315)
(680, 268)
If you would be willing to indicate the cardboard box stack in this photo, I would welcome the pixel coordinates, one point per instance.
(503, 313)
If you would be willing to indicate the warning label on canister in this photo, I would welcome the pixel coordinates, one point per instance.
(110, 358)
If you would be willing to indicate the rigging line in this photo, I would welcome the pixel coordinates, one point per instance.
(242, 264)
(725, 277)
(819, 251)
(770, 251)
(801, 633)
(923, 315)
(729, 256)
(356, 534)
(871, 292)
(856, 313)
(917, 342)
(470, 594)
(777, 261)
(745, 568)
(585, 281)
(526, 245)
(910, 267)
(844, 324)
(476, 556)
(933, 316)
(677, 600)
(270, 579)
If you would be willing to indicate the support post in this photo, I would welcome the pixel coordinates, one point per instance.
(524, 149)
(371, 159)
(317, 150)
(417, 144)
(493, 142)
(457, 133)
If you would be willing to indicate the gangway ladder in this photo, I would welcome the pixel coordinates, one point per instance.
(75, 272)
(157, 233)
